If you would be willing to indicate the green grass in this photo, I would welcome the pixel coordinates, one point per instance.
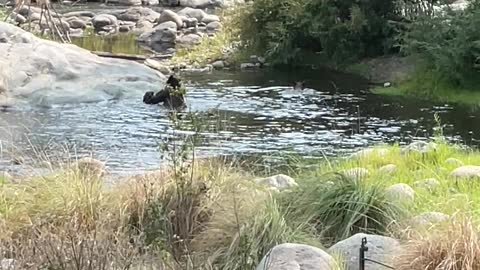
(427, 85)
(219, 218)
(449, 197)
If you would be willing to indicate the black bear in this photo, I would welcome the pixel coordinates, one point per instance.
(171, 96)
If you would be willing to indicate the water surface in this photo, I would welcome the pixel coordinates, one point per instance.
(244, 113)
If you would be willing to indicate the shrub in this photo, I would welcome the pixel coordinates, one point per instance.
(343, 208)
(341, 30)
(448, 43)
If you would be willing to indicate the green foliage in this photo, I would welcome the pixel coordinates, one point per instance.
(342, 31)
(449, 44)
(344, 207)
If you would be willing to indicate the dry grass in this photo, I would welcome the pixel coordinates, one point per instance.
(452, 247)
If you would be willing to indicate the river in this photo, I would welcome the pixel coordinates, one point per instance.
(245, 113)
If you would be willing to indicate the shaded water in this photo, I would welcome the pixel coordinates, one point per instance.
(245, 113)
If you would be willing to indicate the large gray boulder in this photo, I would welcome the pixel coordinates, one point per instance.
(279, 182)
(105, 22)
(200, 3)
(76, 23)
(161, 38)
(127, 2)
(210, 18)
(170, 16)
(297, 257)
(400, 193)
(135, 14)
(430, 218)
(466, 172)
(193, 13)
(40, 72)
(380, 248)
(189, 40)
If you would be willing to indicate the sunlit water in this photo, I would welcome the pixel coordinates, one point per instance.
(244, 113)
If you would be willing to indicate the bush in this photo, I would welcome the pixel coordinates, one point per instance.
(342, 30)
(449, 44)
(344, 208)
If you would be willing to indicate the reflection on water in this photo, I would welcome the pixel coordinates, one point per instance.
(245, 113)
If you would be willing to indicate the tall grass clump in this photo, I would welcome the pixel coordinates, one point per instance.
(451, 247)
(342, 207)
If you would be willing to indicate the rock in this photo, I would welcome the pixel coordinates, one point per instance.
(193, 13)
(290, 256)
(278, 182)
(54, 73)
(89, 14)
(208, 18)
(158, 66)
(189, 22)
(214, 27)
(76, 32)
(253, 58)
(370, 151)
(355, 173)
(8, 264)
(189, 40)
(162, 37)
(419, 147)
(400, 193)
(150, 2)
(206, 69)
(429, 183)
(18, 160)
(76, 23)
(468, 171)
(136, 14)
(430, 218)
(26, 11)
(170, 16)
(454, 162)
(143, 27)
(129, 2)
(104, 21)
(218, 65)
(34, 17)
(5, 176)
(388, 169)
(124, 28)
(246, 66)
(171, 3)
(200, 3)
(90, 166)
(380, 248)
(18, 18)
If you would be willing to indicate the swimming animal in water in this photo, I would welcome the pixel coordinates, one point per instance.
(299, 85)
(171, 96)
